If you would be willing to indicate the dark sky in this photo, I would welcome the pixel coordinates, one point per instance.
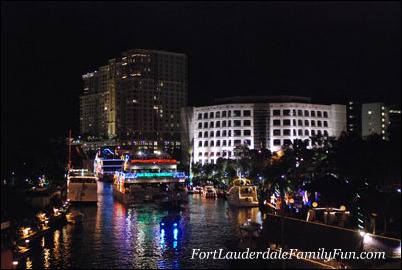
(331, 51)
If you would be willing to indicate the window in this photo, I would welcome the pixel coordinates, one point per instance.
(230, 143)
(299, 113)
(237, 132)
(218, 143)
(306, 133)
(212, 143)
(248, 142)
(286, 112)
(306, 113)
(312, 113)
(211, 115)
(224, 143)
(286, 122)
(277, 142)
(224, 114)
(287, 142)
(199, 134)
(320, 132)
(247, 132)
(306, 123)
(276, 112)
(294, 132)
(326, 133)
(223, 123)
(326, 114)
(211, 134)
(218, 133)
(319, 123)
(286, 132)
(246, 113)
(205, 115)
(319, 114)
(300, 123)
(236, 113)
(199, 116)
(247, 123)
(277, 132)
(300, 132)
(237, 142)
(312, 123)
(206, 134)
(205, 143)
(277, 122)
(229, 123)
(211, 124)
(199, 125)
(206, 125)
(230, 133)
(325, 123)
(313, 133)
(229, 113)
(237, 123)
(200, 144)
(224, 133)
(218, 124)
(218, 114)
(294, 122)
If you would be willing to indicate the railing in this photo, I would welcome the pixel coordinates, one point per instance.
(151, 175)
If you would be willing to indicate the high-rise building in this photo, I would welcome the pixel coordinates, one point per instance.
(375, 120)
(354, 117)
(219, 128)
(137, 98)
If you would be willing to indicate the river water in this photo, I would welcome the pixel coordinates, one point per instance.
(117, 236)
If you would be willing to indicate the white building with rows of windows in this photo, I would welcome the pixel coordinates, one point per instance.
(217, 129)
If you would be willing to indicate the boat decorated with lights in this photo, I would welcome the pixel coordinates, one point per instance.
(243, 194)
(147, 178)
(106, 163)
(82, 186)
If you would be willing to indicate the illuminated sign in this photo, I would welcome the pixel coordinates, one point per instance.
(149, 175)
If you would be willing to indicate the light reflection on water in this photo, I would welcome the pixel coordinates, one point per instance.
(118, 236)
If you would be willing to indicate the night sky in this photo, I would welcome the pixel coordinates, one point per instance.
(330, 51)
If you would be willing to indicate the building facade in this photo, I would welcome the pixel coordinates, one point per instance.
(354, 117)
(137, 98)
(375, 119)
(218, 129)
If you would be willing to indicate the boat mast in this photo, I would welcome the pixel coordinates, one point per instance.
(69, 151)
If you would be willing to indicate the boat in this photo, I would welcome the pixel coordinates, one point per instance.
(82, 187)
(75, 217)
(106, 163)
(149, 178)
(243, 194)
(198, 190)
(209, 192)
(170, 221)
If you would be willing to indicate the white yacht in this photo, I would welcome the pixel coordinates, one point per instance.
(209, 192)
(82, 186)
(243, 194)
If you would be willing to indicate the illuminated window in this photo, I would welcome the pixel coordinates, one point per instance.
(370, 112)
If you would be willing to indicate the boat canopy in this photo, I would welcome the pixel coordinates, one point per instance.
(242, 182)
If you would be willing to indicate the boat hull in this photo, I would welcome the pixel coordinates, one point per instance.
(242, 202)
(79, 193)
